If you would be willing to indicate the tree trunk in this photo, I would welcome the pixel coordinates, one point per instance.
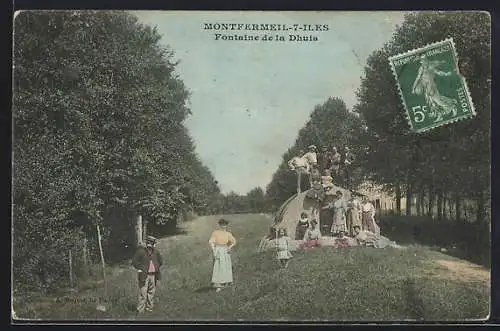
(138, 230)
(440, 205)
(70, 269)
(457, 207)
(480, 208)
(430, 207)
(419, 207)
(299, 181)
(85, 257)
(144, 229)
(409, 187)
(398, 200)
(445, 216)
(99, 238)
(450, 207)
(420, 201)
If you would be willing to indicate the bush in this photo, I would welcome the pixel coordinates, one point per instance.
(41, 255)
(471, 240)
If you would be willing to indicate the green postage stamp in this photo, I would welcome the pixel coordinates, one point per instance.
(431, 87)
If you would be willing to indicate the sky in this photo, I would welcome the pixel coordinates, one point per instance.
(249, 99)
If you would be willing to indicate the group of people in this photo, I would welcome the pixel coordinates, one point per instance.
(148, 260)
(359, 233)
(326, 163)
(340, 217)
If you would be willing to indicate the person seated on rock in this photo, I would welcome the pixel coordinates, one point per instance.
(311, 156)
(299, 164)
(316, 192)
(302, 226)
(327, 179)
(312, 236)
(343, 241)
(370, 239)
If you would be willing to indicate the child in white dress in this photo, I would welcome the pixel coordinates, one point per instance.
(283, 248)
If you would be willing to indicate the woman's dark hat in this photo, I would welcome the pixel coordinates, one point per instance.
(150, 240)
(223, 222)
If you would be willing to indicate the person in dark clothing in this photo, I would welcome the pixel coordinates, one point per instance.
(302, 226)
(147, 261)
(323, 159)
(346, 164)
(335, 159)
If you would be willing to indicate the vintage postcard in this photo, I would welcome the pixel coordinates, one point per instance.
(199, 166)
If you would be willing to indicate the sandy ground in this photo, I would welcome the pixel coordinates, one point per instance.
(464, 270)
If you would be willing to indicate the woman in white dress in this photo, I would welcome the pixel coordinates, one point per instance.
(353, 215)
(222, 241)
(339, 225)
(368, 217)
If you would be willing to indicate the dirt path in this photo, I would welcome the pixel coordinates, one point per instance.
(465, 270)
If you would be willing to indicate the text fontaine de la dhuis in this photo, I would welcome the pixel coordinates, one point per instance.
(220, 28)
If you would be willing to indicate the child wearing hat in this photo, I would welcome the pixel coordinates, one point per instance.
(312, 236)
(327, 179)
(302, 226)
(283, 248)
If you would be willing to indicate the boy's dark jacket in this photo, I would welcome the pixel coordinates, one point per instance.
(141, 259)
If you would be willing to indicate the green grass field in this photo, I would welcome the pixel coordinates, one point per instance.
(323, 284)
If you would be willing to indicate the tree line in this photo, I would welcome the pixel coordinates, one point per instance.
(442, 172)
(98, 137)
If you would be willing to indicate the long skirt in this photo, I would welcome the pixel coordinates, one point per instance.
(353, 219)
(283, 254)
(383, 242)
(339, 222)
(223, 269)
(310, 244)
(326, 219)
(369, 222)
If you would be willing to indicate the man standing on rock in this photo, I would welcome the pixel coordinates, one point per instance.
(147, 260)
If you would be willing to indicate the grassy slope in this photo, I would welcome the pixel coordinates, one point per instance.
(322, 284)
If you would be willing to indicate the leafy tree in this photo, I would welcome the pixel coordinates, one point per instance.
(256, 200)
(330, 124)
(447, 162)
(98, 131)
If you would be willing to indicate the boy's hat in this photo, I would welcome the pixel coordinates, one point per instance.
(150, 240)
(223, 222)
